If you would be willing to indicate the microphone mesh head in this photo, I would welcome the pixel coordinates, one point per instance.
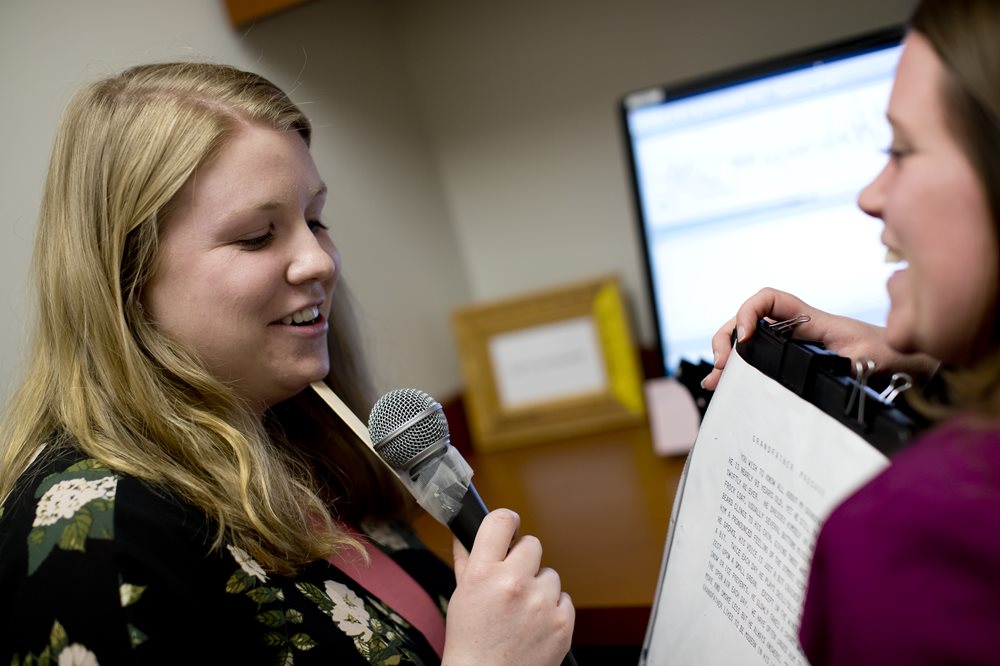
(396, 408)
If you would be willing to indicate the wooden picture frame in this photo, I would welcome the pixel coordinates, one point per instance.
(549, 365)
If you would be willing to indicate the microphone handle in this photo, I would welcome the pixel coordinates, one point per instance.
(466, 523)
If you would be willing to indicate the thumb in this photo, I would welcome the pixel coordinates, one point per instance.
(459, 556)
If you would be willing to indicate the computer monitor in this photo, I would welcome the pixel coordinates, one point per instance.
(749, 178)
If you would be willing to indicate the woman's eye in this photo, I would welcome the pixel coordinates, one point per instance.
(316, 225)
(256, 242)
(895, 153)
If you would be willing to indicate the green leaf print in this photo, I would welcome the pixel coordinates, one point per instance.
(129, 593)
(303, 641)
(41, 541)
(57, 651)
(239, 582)
(271, 618)
(315, 595)
(136, 636)
(74, 505)
(264, 595)
(57, 637)
(74, 534)
(286, 658)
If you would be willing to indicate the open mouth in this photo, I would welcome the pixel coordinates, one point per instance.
(894, 257)
(303, 317)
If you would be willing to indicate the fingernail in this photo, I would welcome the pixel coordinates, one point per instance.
(740, 332)
(715, 359)
(703, 382)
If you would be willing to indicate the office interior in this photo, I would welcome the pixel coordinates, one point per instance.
(472, 149)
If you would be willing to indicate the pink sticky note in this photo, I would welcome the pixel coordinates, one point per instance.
(673, 416)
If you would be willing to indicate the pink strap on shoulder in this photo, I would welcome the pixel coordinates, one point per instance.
(389, 582)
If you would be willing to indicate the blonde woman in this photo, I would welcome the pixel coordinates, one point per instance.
(171, 493)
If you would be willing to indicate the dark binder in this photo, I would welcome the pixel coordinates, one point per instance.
(823, 378)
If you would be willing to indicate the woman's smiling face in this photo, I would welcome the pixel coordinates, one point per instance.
(246, 269)
(937, 220)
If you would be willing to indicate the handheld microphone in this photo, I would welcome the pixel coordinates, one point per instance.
(409, 431)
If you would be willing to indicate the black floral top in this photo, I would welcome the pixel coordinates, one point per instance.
(97, 567)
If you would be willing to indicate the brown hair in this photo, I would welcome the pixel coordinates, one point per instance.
(965, 35)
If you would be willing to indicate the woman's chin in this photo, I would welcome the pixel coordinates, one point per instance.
(899, 332)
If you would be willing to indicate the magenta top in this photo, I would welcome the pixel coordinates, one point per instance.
(907, 570)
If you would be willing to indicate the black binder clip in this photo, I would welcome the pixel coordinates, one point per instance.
(793, 363)
(824, 379)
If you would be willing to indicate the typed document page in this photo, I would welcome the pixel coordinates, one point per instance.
(766, 469)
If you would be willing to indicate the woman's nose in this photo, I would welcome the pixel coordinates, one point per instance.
(872, 196)
(312, 259)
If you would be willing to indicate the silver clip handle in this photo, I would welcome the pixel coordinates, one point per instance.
(900, 382)
(788, 324)
(863, 368)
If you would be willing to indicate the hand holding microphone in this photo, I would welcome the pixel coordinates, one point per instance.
(505, 605)
(409, 431)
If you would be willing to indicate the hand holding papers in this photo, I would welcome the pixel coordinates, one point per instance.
(766, 469)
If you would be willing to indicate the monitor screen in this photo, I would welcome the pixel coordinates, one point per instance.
(749, 179)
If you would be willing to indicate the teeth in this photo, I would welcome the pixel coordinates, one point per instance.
(892, 257)
(305, 314)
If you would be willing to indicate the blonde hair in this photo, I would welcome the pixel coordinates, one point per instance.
(102, 375)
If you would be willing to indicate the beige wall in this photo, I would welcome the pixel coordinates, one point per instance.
(519, 100)
(472, 148)
(335, 58)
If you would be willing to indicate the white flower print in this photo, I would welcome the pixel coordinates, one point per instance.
(248, 564)
(349, 611)
(77, 655)
(66, 498)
